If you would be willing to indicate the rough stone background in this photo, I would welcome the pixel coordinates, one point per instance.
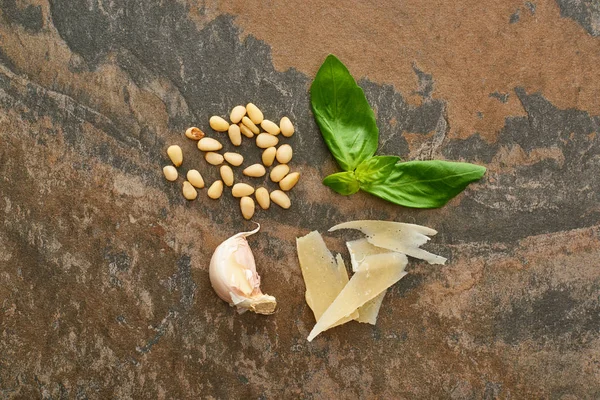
(104, 290)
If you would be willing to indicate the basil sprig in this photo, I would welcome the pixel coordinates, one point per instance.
(348, 126)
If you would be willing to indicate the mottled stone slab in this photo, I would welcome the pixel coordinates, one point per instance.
(104, 289)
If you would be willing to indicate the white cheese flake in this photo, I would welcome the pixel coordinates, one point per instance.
(396, 236)
(323, 276)
(369, 312)
(375, 275)
(359, 250)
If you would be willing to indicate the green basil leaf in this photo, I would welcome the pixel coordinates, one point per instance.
(342, 182)
(343, 114)
(424, 184)
(376, 168)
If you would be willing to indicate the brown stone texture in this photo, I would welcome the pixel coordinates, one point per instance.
(104, 288)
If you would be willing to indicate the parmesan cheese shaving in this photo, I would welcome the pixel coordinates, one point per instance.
(323, 276)
(396, 236)
(369, 312)
(359, 250)
(375, 275)
(343, 272)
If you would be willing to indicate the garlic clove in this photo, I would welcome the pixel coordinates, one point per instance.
(234, 278)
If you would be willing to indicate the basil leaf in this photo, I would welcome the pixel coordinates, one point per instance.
(424, 184)
(343, 114)
(376, 168)
(342, 182)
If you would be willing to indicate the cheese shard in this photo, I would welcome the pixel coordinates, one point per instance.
(376, 274)
(396, 236)
(343, 272)
(368, 313)
(323, 276)
(359, 250)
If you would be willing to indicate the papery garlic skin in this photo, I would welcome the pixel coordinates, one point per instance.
(234, 278)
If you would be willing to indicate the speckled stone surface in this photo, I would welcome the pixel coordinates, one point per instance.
(104, 289)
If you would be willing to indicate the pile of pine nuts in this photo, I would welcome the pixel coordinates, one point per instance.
(246, 121)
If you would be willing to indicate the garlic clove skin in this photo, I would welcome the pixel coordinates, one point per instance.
(234, 278)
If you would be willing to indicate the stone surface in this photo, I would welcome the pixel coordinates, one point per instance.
(104, 290)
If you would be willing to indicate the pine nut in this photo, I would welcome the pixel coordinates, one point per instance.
(281, 199)
(250, 125)
(287, 128)
(195, 178)
(279, 172)
(215, 190)
(194, 133)
(170, 173)
(188, 191)
(226, 174)
(254, 113)
(241, 190)
(284, 154)
(246, 131)
(234, 159)
(234, 135)
(218, 124)
(247, 207)
(209, 144)
(213, 158)
(175, 154)
(270, 127)
(237, 114)
(289, 181)
(265, 140)
(255, 171)
(262, 198)
(268, 156)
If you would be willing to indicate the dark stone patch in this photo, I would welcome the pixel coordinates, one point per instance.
(390, 105)
(81, 395)
(186, 284)
(407, 284)
(531, 7)
(503, 97)
(87, 28)
(521, 204)
(160, 329)
(515, 17)
(473, 148)
(118, 261)
(585, 12)
(546, 125)
(492, 390)
(511, 225)
(554, 316)
(30, 17)
(7, 62)
(425, 83)
(140, 75)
